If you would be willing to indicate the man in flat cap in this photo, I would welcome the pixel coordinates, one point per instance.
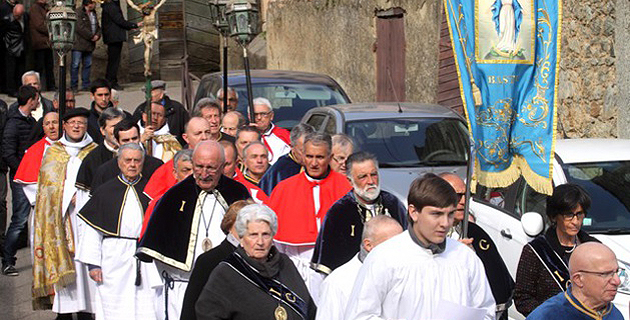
(57, 278)
(176, 115)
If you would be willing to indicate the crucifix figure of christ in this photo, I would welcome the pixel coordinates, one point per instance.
(148, 33)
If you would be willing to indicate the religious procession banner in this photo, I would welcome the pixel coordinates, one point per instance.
(507, 55)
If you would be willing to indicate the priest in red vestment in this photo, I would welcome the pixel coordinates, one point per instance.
(301, 203)
(197, 129)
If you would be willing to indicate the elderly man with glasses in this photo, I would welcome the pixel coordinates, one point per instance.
(276, 139)
(594, 282)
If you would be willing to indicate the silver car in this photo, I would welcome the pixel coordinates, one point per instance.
(409, 139)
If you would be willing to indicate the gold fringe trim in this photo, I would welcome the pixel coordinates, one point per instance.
(508, 176)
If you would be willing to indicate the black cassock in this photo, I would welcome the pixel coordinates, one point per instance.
(90, 165)
(168, 235)
(339, 238)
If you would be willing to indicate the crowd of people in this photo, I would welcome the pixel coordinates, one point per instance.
(25, 41)
(202, 216)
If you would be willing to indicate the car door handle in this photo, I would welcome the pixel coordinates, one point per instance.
(506, 233)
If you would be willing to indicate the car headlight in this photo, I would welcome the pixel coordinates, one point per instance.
(624, 276)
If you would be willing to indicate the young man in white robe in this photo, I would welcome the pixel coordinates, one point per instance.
(164, 145)
(127, 288)
(337, 287)
(56, 224)
(420, 273)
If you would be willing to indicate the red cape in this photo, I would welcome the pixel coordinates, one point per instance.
(147, 213)
(28, 171)
(281, 133)
(292, 200)
(161, 180)
(253, 189)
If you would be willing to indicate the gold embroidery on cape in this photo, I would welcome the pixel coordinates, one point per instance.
(53, 239)
(170, 146)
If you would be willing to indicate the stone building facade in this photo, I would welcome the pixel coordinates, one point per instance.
(336, 37)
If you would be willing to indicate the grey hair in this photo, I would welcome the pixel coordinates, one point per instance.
(254, 213)
(299, 131)
(253, 143)
(183, 155)
(205, 103)
(359, 157)
(343, 140)
(319, 138)
(263, 101)
(30, 73)
(130, 146)
(229, 89)
(109, 114)
(372, 227)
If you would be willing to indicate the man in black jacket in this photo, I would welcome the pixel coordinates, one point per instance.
(6, 8)
(3, 179)
(87, 33)
(14, 141)
(176, 115)
(15, 30)
(114, 34)
(101, 99)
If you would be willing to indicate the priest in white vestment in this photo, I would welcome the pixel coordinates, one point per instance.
(420, 274)
(56, 222)
(127, 287)
(186, 222)
(337, 287)
(164, 145)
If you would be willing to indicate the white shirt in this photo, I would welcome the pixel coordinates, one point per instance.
(277, 147)
(336, 289)
(401, 280)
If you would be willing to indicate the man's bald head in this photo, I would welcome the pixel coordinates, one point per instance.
(594, 279)
(460, 188)
(18, 10)
(377, 230)
(208, 162)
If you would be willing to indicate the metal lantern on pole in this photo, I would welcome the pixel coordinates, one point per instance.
(244, 22)
(61, 23)
(219, 21)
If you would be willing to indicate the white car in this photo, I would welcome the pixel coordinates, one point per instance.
(602, 167)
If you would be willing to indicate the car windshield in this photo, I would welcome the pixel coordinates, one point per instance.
(608, 184)
(411, 142)
(290, 101)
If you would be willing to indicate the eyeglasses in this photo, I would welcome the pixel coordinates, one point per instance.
(608, 274)
(461, 194)
(76, 123)
(262, 114)
(569, 216)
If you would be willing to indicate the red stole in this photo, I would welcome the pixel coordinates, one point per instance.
(161, 180)
(253, 189)
(292, 200)
(28, 171)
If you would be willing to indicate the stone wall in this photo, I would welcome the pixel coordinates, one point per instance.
(589, 82)
(337, 37)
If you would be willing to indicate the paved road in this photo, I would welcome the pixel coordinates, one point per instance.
(15, 292)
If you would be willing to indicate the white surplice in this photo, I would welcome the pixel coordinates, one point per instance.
(157, 148)
(210, 221)
(401, 280)
(336, 289)
(277, 147)
(80, 295)
(120, 298)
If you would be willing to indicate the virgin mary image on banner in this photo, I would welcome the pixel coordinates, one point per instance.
(504, 31)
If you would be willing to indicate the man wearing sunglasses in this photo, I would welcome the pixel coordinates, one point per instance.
(594, 282)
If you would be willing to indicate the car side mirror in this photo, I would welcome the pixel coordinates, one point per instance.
(533, 223)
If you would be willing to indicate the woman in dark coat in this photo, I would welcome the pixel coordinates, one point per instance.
(255, 281)
(543, 268)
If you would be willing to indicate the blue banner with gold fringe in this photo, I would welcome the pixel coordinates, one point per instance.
(507, 54)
